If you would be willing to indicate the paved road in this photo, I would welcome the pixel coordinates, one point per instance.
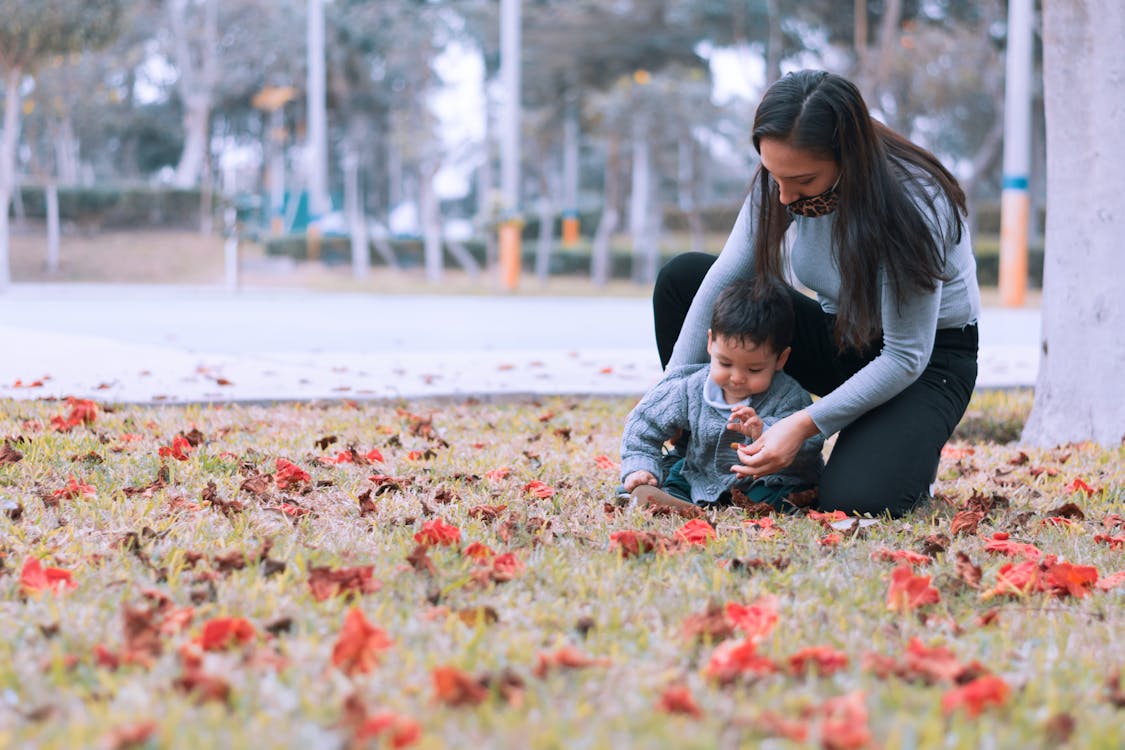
(186, 344)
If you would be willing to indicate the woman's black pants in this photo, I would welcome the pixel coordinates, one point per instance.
(884, 461)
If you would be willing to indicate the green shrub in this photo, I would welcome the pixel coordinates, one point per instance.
(110, 207)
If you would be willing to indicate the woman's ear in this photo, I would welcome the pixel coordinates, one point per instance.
(783, 358)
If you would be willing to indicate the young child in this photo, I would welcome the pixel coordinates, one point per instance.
(720, 404)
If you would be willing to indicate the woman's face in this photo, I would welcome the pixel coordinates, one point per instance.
(798, 174)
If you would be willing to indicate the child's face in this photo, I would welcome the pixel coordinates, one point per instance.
(743, 369)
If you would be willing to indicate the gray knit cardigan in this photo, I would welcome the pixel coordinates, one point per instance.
(686, 399)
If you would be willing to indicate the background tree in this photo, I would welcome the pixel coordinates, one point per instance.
(31, 32)
(1078, 395)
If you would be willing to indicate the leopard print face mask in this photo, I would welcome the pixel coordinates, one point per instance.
(816, 205)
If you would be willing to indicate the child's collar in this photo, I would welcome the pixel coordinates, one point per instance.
(713, 395)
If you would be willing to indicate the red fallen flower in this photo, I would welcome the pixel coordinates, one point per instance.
(343, 457)
(901, 555)
(733, 658)
(496, 475)
(1078, 485)
(766, 526)
(82, 411)
(930, 663)
(696, 531)
(1114, 542)
(843, 725)
(776, 725)
(374, 455)
(221, 633)
(478, 551)
(179, 450)
(975, 696)
(1058, 521)
(1002, 544)
(487, 512)
(1068, 579)
(825, 659)
(1111, 581)
(402, 731)
(956, 454)
(827, 518)
(505, 567)
(35, 578)
(566, 657)
(830, 540)
(74, 487)
(293, 510)
(1016, 579)
(359, 645)
(289, 474)
(538, 489)
(326, 582)
(632, 543)
(455, 687)
(677, 699)
(756, 620)
(908, 591)
(437, 532)
(605, 462)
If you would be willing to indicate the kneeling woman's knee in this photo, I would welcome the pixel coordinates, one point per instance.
(874, 495)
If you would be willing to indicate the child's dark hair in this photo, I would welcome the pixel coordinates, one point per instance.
(758, 312)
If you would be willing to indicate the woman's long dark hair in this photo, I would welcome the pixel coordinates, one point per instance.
(877, 222)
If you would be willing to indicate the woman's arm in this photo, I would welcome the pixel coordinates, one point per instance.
(908, 341)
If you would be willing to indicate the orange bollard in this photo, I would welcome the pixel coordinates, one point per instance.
(1015, 208)
(570, 227)
(312, 242)
(510, 254)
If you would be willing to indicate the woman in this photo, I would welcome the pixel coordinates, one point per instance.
(874, 226)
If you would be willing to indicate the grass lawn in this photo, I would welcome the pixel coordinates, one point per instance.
(457, 574)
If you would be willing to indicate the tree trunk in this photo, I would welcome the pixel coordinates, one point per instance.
(197, 110)
(607, 225)
(430, 218)
(640, 210)
(52, 191)
(688, 188)
(545, 245)
(8, 168)
(571, 132)
(357, 222)
(1078, 395)
(774, 42)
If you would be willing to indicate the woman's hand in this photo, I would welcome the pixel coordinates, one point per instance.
(745, 421)
(637, 478)
(776, 448)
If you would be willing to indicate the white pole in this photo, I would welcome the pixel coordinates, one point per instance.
(1015, 202)
(318, 131)
(230, 248)
(510, 121)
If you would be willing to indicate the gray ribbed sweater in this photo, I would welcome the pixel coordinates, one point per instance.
(687, 399)
(908, 332)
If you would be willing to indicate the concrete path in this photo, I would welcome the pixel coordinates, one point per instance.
(189, 344)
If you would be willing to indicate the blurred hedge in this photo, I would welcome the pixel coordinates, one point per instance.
(338, 250)
(108, 207)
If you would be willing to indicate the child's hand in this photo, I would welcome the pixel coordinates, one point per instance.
(746, 421)
(637, 478)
